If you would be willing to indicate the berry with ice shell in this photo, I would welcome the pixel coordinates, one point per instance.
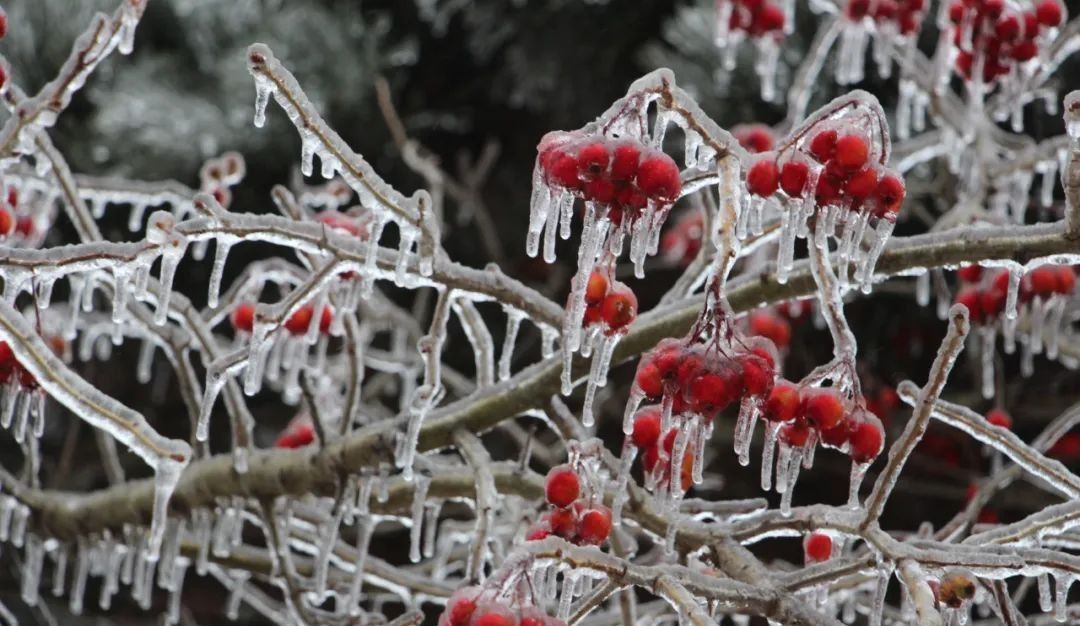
(817, 547)
(243, 317)
(681, 243)
(755, 138)
(999, 418)
(646, 427)
(562, 486)
(298, 433)
(766, 323)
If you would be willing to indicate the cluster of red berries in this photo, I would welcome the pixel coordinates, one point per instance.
(757, 18)
(756, 138)
(572, 517)
(703, 380)
(243, 319)
(657, 453)
(473, 606)
(767, 323)
(217, 175)
(611, 303)
(817, 547)
(299, 432)
(11, 368)
(838, 423)
(906, 14)
(622, 175)
(10, 220)
(847, 176)
(1002, 37)
(682, 242)
(985, 295)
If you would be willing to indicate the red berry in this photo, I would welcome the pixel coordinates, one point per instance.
(793, 177)
(1043, 280)
(646, 427)
(758, 375)
(1049, 13)
(1031, 25)
(999, 418)
(857, 9)
(839, 435)
(299, 322)
(969, 297)
(24, 225)
(562, 486)
(593, 315)
(619, 307)
(956, 12)
(596, 288)
(624, 162)
(563, 522)
(658, 178)
(969, 273)
(537, 532)
(824, 408)
(795, 434)
(867, 440)
(1025, 50)
(756, 138)
(993, 8)
(817, 547)
(783, 402)
(763, 178)
(823, 145)
(772, 326)
(564, 171)
(909, 22)
(7, 222)
(711, 392)
(861, 184)
(243, 317)
(326, 318)
(1066, 280)
(851, 152)
(886, 10)
(299, 433)
(595, 525)
(769, 18)
(493, 619)
(827, 191)
(461, 607)
(592, 159)
(1007, 28)
(889, 196)
(650, 458)
(600, 190)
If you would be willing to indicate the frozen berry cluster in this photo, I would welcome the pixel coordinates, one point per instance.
(906, 15)
(756, 18)
(620, 175)
(998, 35)
(218, 175)
(299, 432)
(657, 453)
(985, 293)
(823, 412)
(845, 171)
(474, 606)
(243, 319)
(609, 303)
(572, 516)
(16, 216)
(682, 242)
(704, 379)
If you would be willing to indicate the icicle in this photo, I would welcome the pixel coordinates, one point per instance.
(34, 555)
(744, 429)
(986, 355)
(365, 527)
(420, 489)
(431, 524)
(78, 583)
(791, 475)
(236, 594)
(597, 376)
(767, 452)
(878, 606)
(262, 97)
(1012, 293)
(540, 205)
(1061, 596)
(513, 324)
(922, 289)
(1046, 603)
(858, 473)
(59, 571)
(221, 253)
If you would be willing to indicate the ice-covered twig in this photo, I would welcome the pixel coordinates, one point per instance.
(922, 596)
(103, 35)
(477, 457)
(923, 405)
(683, 602)
(1070, 175)
(1052, 471)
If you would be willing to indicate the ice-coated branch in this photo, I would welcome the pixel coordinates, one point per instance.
(923, 405)
(104, 34)
(1070, 175)
(472, 450)
(682, 601)
(1052, 471)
